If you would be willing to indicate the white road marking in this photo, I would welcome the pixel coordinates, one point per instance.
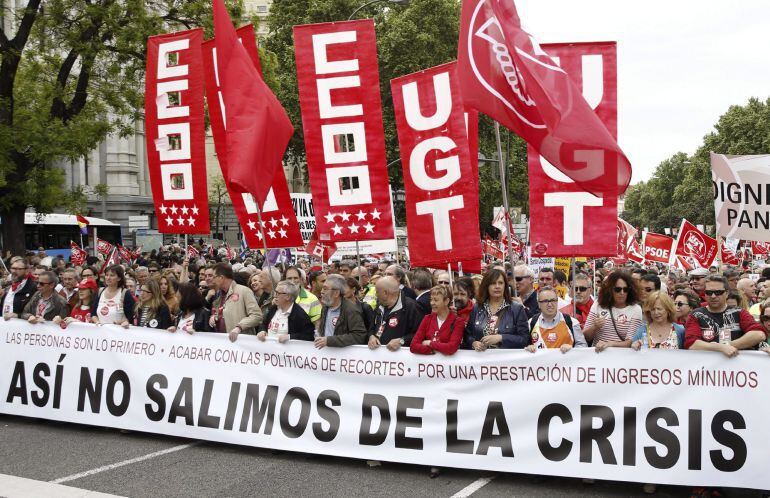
(473, 487)
(21, 487)
(124, 463)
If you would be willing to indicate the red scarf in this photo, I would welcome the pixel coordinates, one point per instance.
(15, 285)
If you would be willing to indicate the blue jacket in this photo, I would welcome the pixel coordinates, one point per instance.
(512, 326)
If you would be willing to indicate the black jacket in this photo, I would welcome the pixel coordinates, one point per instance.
(300, 326)
(399, 322)
(423, 302)
(22, 296)
(200, 321)
(161, 320)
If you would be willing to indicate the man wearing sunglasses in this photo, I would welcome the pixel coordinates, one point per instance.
(46, 303)
(717, 328)
(525, 289)
(582, 300)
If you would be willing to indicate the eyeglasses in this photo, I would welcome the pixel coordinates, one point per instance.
(519, 279)
(581, 289)
(548, 301)
(679, 304)
(43, 283)
(714, 292)
(19, 268)
(764, 318)
(153, 271)
(621, 289)
(144, 290)
(443, 282)
(649, 289)
(281, 293)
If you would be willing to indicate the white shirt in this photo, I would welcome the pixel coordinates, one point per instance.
(110, 310)
(279, 324)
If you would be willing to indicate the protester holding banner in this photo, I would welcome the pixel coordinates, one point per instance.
(69, 290)
(716, 327)
(396, 318)
(616, 314)
(306, 300)
(582, 298)
(235, 310)
(46, 303)
(81, 310)
(193, 315)
(286, 319)
(551, 328)
(113, 304)
(661, 330)
(442, 330)
(152, 310)
(496, 320)
(20, 291)
(341, 323)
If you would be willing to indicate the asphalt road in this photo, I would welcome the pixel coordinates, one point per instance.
(137, 465)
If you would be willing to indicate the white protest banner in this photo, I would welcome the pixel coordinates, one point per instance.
(742, 196)
(661, 416)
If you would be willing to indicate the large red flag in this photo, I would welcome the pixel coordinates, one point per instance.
(442, 207)
(505, 74)
(657, 247)
(257, 127)
(279, 221)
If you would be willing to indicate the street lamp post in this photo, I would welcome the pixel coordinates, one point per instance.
(395, 2)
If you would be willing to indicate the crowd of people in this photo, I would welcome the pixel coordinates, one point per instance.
(382, 304)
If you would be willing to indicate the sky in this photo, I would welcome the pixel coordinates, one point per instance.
(681, 63)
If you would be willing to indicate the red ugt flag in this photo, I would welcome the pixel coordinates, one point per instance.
(257, 127)
(696, 244)
(505, 74)
(78, 256)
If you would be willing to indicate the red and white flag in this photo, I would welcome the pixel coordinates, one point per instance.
(505, 74)
(657, 247)
(78, 256)
(634, 251)
(322, 250)
(192, 252)
(693, 243)
(103, 247)
(257, 127)
(560, 209)
(442, 203)
(339, 95)
(112, 259)
(125, 254)
(760, 248)
(727, 256)
(278, 218)
(175, 132)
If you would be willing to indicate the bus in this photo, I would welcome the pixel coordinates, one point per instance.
(53, 232)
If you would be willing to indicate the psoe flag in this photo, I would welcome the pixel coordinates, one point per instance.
(742, 196)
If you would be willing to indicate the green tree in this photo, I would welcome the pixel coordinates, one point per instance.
(71, 72)
(681, 185)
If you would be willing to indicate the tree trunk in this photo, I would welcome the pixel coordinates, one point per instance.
(13, 231)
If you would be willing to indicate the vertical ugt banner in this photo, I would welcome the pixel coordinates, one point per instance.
(175, 133)
(339, 96)
(442, 208)
(279, 224)
(558, 207)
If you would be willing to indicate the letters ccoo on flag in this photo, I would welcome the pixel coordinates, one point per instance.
(257, 127)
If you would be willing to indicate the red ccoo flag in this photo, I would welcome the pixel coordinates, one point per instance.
(257, 127)
(505, 74)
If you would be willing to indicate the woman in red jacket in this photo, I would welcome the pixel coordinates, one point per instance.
(442, 330)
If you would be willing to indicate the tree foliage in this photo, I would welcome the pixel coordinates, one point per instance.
(681, 185)
(72, 72)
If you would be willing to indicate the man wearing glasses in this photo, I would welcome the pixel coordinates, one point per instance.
(552, 328)
(582, 299)
(46, 303)
(20, 291)
(717, 328)
(525, 289)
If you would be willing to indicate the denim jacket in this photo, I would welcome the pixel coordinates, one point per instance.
(512, 326)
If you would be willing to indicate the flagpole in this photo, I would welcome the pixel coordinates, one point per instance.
(449, 270)
(504, 184)
(95, 236)
(264, 245)
(358, 262)
(572, 274)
